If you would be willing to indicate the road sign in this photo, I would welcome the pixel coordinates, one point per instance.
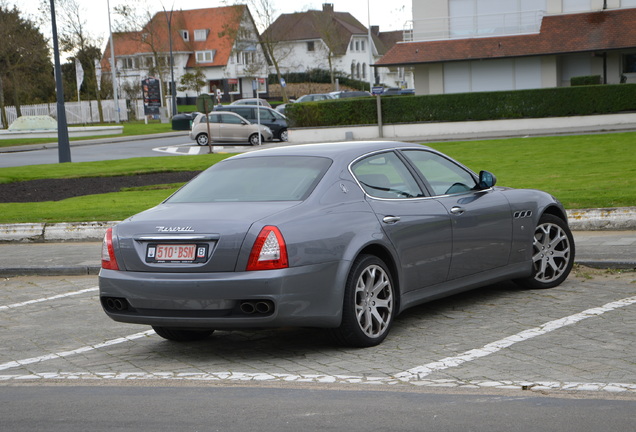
(375, 91)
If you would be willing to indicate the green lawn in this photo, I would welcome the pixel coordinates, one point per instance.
(110, 168)
(586, 171)
(582, 171)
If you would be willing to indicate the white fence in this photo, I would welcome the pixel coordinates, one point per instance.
(78, 112)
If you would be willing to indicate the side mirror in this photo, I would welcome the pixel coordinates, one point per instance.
(486, 180)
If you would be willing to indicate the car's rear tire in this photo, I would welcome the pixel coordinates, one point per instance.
(254, 139)
(283, 135)
(552, 255)
(369, 304)
(181, 335)
(202, 139)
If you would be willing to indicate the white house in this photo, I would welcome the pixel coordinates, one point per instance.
(330, 40)
(221, 42)
(487, 45)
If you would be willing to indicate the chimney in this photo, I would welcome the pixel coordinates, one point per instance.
(327, 7)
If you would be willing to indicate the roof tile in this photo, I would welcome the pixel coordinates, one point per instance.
(222, 23)
(559, 34)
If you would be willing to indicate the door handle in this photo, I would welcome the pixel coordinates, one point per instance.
(391, 219)
(457, 210)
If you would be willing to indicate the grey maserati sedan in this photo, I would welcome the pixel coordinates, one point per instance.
(342, 236)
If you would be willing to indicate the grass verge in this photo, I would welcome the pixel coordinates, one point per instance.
(582, 171)
(586, 171)
(131, 128)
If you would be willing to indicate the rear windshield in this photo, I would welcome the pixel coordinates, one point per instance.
(268, 178)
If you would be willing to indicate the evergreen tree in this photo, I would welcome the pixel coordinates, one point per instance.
(26, 72)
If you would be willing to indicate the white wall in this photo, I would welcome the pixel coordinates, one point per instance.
(575, 65)
(492, 75)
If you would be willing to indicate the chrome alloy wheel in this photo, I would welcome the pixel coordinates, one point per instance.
(551, 252)
(373, 301)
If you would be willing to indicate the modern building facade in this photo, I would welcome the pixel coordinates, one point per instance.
(487, 45)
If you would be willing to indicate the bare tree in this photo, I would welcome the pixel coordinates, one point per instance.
(76, 39)
(241, 29)
(326, 27)
(273, 46)
(150, 30)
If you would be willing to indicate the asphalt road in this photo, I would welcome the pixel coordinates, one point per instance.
(267, 409)
(103, 149)
(498, 358)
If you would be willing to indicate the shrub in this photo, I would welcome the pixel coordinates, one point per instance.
(585, 80)
(538, 103)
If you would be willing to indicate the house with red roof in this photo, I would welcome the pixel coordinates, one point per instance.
(488, 45)
(335, 41)
(223, 43)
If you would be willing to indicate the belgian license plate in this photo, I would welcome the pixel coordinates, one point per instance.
(176, 253)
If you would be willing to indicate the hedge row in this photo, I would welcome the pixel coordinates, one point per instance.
(539, 103)
(318, 76)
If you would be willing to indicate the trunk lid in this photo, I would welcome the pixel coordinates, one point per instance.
(189, 237)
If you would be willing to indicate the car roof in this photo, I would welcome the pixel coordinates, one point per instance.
(250, 101)
(243, 106)
(347, 150)
(229, 112)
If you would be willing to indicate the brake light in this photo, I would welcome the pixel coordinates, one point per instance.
(269, 251)
(108, 252)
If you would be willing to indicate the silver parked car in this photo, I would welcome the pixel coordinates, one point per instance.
(252, 101)
(342, 236)
(227, 126)
(269, 117)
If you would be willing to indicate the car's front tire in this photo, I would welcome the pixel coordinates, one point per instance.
(181, 335)
(254, 139)
(552, 255)
(202, 139)
(369, 304)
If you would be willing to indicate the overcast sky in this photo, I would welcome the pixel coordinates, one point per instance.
(388, 14)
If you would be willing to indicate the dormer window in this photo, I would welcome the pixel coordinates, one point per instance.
(185, 35)
(205, 56)
(201, 35)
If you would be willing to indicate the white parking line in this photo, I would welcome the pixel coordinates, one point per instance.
(23, 362)
(423, 371)
(415, 376)
(43, 299)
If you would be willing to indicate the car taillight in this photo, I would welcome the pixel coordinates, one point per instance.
(108, 252)
(269, 251)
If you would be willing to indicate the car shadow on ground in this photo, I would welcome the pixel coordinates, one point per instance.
(294, 342)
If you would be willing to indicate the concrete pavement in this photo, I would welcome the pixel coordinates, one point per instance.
(600, 249)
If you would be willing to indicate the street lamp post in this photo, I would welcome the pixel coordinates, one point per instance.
(113, 66)
(63, 144)
(370, 43)
(173, 93)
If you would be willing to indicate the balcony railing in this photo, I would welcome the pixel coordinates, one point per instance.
(464, 27)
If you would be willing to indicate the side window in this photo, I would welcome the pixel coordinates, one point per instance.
(384, 175)
(266, 115)
(442, 175)
(246, 113)
(227, 118)
(214, 118)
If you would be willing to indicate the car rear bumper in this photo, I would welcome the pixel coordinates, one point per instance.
(301, 296)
